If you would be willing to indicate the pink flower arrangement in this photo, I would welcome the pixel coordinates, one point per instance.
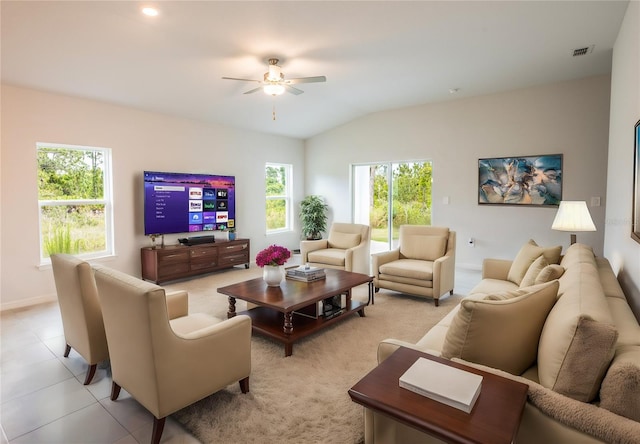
(273, 255)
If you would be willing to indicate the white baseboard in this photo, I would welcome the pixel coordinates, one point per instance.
(23, 303)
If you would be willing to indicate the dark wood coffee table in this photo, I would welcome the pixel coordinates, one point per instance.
(274, 315)
(495, 417)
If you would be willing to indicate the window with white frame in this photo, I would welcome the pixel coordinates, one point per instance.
(74, 199)
(278, 196)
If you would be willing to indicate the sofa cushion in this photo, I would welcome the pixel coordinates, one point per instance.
(502, 334)
(578, 254)
(620, 389)
(408, 268)
(527, 255)
(534, 270)
(343, 240)
(423, 247)
(488, 286)
(549, 273)
(330, 256)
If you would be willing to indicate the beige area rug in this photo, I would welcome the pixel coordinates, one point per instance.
(303, 398)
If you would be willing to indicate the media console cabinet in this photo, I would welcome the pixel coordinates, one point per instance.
(168, 263)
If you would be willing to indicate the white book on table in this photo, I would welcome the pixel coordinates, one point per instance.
(443, 383)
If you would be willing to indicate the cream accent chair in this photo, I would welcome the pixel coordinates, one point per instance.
(80, 311)
(423, 264)
(167, 364)
(347, 248)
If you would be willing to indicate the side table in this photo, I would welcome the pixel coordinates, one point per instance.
(495, 418)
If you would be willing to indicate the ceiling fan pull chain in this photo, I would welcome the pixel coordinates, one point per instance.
(273, 113)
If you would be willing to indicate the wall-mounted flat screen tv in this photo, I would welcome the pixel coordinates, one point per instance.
(187, 203)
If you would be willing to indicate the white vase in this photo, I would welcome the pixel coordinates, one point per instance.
(273, 275)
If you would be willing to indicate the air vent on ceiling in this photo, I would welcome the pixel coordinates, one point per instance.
(583, 51)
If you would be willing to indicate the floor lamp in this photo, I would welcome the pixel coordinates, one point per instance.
(573, 215)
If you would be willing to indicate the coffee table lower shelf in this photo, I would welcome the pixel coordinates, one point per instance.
(269, 322)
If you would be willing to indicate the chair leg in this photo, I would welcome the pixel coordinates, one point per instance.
(244, 385)
(437, 301)
(90, 373)
(67, 350)
(115, 391)
(158, 427)
(451, 292)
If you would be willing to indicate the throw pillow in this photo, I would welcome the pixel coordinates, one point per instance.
(551, 254)
(508, 294)
(502, 334)
(549, 273)
(620, 389)
(343, 241)
(587, 359)
(525, 257)
(534, 270)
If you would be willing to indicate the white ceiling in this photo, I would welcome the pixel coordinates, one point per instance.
(376, 55)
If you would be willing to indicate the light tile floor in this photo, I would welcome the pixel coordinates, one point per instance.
(43, 400)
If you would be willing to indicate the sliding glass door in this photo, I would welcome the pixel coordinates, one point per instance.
(387, 195)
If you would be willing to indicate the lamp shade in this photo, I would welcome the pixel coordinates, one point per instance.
(573, 216)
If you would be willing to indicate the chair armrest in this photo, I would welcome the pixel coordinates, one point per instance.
(388, 346)
(308, 246)
(379, 259)
(356, 259)
(218, 328)
(177, 303)
(496, 268)
(215, 356)
(444, 269)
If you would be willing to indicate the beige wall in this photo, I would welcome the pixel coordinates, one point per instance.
(571, 118)
(139, 141)
(620, 249)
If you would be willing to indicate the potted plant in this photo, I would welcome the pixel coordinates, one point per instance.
(313, 216)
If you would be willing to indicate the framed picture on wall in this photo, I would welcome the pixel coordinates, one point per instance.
(521, 180)
(635, 214)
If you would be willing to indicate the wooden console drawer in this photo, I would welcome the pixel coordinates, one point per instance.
(234, 258)
(172, 256)
(234, 248)
(207, 252)
(166, 270)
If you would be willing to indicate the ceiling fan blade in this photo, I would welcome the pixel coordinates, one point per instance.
(306, 80)
(292, 90)
(243, 80)
(251, 91)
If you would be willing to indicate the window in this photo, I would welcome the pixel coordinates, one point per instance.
(278, 195)
(74, 199)
(387, 195)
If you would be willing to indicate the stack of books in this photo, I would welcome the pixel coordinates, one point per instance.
(306, 273)
(443, 383)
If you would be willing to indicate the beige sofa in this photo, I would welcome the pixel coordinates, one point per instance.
(584, 381)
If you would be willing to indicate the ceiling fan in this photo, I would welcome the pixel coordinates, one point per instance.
(274, 82)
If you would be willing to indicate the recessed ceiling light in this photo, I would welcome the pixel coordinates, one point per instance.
(151, 12)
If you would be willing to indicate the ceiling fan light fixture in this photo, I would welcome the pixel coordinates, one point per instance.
(273, 89)
(274, 74)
